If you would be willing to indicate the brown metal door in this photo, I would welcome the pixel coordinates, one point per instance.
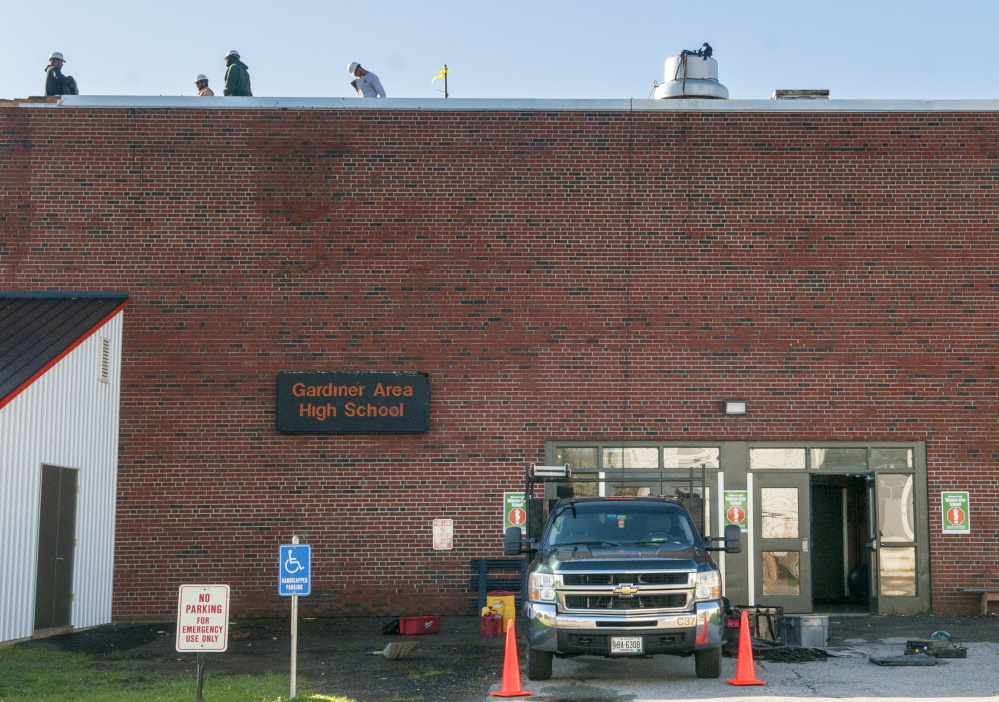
(56, 544)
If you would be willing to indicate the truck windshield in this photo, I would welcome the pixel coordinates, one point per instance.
(614, 523)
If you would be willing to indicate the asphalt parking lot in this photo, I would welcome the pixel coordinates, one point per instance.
(847, 675)
(460, 665)
(853, 677)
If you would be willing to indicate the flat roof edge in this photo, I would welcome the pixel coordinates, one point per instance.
(510, 105)
(63, 294)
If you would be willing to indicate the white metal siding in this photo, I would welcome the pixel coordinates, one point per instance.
(66, 418)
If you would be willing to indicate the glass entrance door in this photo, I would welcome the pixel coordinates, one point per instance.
(781, 531)
(898, 584)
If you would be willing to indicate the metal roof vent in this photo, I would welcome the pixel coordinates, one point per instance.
(691, 74)
(800, 95)
(105, 372)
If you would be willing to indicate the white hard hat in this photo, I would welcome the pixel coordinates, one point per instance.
(56, 55)
(354, 65)
(201, 77)
(232, 52)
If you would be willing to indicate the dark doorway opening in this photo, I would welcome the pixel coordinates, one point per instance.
(840, 531)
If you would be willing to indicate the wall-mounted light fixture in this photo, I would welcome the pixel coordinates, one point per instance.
(734, 406)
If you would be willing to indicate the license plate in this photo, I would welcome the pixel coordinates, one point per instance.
(626, 644)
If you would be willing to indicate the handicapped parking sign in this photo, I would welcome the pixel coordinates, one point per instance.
(294, 578)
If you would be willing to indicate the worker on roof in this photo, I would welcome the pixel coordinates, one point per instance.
(237, 76)
(55, 82)
(365, 82)
(201, 83)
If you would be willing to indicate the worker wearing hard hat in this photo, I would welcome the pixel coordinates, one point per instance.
(365, 82)
(55, 82)
(201, 83)
(237, 77)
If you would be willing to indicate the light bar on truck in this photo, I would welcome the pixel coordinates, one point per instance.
(550, 471)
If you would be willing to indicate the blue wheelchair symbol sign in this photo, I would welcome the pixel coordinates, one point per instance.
(294, 578)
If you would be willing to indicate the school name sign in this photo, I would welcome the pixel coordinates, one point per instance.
(353, 403)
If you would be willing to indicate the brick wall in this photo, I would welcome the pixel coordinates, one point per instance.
(559, 275)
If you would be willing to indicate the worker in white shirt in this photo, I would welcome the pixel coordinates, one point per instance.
(365, 82)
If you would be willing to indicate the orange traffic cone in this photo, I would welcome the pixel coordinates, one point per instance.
(511, 668)
(745, 671)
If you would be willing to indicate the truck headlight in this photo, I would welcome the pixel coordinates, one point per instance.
(708, 585)
(541, 587)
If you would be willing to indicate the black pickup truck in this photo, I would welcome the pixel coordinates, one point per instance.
(622, 577)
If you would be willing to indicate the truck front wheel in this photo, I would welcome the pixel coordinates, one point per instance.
(539, 664)
(708, 663)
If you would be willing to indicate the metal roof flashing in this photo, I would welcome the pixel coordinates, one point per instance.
(38, 329)
(509, 105)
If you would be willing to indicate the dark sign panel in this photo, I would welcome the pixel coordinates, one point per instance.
(353, 403)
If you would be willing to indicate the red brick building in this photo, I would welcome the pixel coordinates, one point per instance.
(581, 282)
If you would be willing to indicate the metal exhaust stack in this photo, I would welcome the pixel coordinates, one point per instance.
(691, 75)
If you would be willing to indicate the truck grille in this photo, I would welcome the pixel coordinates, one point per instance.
(615, 602)
(621, 578)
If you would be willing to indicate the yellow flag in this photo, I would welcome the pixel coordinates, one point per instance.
(440, 75)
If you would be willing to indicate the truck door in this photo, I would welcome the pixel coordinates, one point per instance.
(781, 530)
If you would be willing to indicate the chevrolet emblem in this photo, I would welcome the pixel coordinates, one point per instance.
(626, 590)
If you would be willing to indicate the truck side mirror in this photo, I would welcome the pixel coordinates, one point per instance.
(511, 541)
(733, 539)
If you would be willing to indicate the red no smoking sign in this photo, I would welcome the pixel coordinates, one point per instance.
(956, 512)
(736, 502)
(514, 510)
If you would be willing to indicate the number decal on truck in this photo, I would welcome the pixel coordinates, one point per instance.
(686, 621)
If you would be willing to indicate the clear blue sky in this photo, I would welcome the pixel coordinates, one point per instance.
(869, 49)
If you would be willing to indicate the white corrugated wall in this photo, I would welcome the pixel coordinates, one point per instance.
(66, 418)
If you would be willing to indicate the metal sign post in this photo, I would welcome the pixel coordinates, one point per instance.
(294, 645)
(203, 623)
(200, 662)
(295, 564)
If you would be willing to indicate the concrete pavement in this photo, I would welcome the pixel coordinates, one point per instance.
(852, 677)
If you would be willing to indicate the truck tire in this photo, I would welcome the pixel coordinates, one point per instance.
(539, 664)
(708, 662)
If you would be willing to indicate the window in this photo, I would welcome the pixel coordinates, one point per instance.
(777, 459)
(779, 513)
(690, 457)
(631, 457)
(853, 460)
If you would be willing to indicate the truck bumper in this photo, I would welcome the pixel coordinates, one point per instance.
(591, 634)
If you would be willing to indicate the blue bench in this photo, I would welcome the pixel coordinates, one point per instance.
(489, 574)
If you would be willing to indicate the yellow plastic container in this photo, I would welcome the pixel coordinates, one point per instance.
(502, 602)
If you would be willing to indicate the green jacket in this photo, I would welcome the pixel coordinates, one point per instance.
(237, 80)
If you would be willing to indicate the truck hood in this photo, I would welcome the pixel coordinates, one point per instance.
(630, 558)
